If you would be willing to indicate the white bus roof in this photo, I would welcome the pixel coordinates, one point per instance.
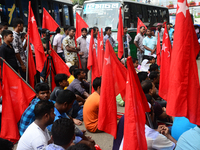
(64, 1)
(130, 1)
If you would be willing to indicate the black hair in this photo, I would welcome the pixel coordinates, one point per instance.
(59, 78)
(66, 27)
(71, 28)
(2, 24)
(149, 98)
(125, 27)
(134, 60)
(72, 69)
(95, 29)
(41, 87)
(79, 147)
(146, 86)
(142, 76)
(6, 145)
(90, 29)
(17, 21)
(149, 29)
(83, 29)
(96, 83)
(142, 27)
(107, 28)
(150, 58)
(58, 30)
(43, 107)
(65, 96)
(153, 67)
(6, 33)
(62, 131)
(153, 75)
(44, 30)
(23, 34)
(77, 72)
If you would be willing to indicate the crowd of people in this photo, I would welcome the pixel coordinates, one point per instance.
(51, 120)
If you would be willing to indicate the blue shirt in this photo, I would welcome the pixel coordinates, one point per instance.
(150, 43)
(189, 140)
(28, 116)
(112, 41)
(54, 147)
(78, 132)
(170, 33)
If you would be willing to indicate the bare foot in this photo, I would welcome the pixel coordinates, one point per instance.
(77, 122)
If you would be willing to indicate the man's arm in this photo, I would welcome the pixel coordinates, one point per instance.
(147, 48)
(71, 48)
(85, 94)
(55, 48)
(21, 62)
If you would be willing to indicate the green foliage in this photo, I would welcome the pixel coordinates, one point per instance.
(76, 2)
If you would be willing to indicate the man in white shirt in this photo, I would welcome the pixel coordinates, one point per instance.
(57, 44)
(160, 30)
(36, 136)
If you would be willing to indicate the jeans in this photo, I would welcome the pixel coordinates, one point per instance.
(139, 56)
(76, 111)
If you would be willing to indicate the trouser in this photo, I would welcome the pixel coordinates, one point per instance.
(76, 111)
(125, 53)
(84, 65)
(139, 57)
(62, 56)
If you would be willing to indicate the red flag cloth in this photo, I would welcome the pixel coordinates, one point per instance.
(16, 96)
(135, 108)
(31, 68)
(100, 55)
(139, 24)
(113, 82)
(165, 65)
(184, 91)
(80, 23)
(35, 40)
(120, 34)
(48, 22)
(92, 60)
(158, 50)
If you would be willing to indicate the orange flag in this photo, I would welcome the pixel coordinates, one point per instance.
(135, 108)
(120, 34)
(184, 90)
(16, 96)
(139, 24)
(158, 50)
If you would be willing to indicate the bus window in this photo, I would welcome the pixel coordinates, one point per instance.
(24, 6)
(44, 4)
(3, 13)
(56, 13)
(61, 14)
(145, 13)
(150, 13)
(139, 12)
(66, 14)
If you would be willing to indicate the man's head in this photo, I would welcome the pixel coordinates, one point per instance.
(108, 30)
(125, 30)
(79, 147)
(142, 76)
(7, 36)
(44, 32)
(148, 33)
(18, 24)
(97, 84)
(90, 29)
(153, 67)
(72, 31)
(66, 29)
(84, 32)
(148, 87)
(63, 132)
(79, 74)
(42, 91)
(154, 77)
(135, 62)
(65, 100)
(6, 145)
(58, 30)
(61, 80)
(152, 60)
(95, 31)
(142, 30)
(3, 26)
(44, 111)
(72, 69)
(159, 26)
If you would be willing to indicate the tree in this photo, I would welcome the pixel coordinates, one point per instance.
(76, 2)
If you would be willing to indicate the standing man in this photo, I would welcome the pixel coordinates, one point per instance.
(138, 41)
(150, 44)
(81, 41)
(127, 38)
(57, 44)
(3, 26)
(109, 37)
(160, 30)
(18, 25)
(70, 49)
(95, 32)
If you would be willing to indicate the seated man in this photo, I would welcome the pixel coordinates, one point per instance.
(62, 134)
(64, 102)
(78, 86)
(36, 135)
(143, 76)
(42, 93)
(71, 70)
(189, 140)
(91, 107)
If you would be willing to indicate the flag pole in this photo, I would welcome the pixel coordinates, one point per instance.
(149, 120)
(90, 90)
(27, 60)
(122, 35)
(16, 73)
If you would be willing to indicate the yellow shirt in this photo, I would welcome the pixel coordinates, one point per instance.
(70, 79)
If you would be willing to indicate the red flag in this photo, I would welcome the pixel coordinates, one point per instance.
(135, 108)
(165, 65)
(16, 97)
(100, 57)
(113, 83)
(80, 23)
(48, 22)
(31, 68)
(184, 90)
(139, 24)
(120, 34)
(158, 50)
(35, 40)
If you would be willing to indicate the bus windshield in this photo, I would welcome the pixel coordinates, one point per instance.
(101, 14)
